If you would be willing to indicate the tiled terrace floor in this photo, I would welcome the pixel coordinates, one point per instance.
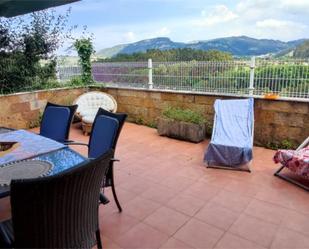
(170, 200)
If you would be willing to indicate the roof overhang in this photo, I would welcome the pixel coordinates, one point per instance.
(11, 8)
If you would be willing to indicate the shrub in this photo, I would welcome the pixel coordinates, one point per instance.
(76, 81)
(185, 115)
(285, 144)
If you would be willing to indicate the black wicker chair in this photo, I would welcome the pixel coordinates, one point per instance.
(59, 211)
(109, 181)
(56, 122)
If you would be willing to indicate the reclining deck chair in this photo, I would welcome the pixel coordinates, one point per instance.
(297, 161)
(232, 137)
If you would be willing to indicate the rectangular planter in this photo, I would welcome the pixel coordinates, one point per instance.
(181, 130)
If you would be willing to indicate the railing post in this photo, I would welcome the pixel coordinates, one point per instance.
(150, 83)
(57, 73)
(251, 82)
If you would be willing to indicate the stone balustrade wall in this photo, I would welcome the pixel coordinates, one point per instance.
(275, 120)
(23, 110)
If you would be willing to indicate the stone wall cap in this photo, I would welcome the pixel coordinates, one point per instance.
(203, 93)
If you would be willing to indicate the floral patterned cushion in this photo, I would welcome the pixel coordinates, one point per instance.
(295, 160)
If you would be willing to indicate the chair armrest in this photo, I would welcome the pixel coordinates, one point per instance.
(112, 159)
(68, 141)
(76, 143)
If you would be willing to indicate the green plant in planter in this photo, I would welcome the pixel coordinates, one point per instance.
(184, 124)
(185, 115)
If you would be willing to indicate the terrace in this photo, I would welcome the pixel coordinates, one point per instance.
(170, 200)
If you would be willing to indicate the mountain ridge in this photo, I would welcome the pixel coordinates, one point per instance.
(236, 45)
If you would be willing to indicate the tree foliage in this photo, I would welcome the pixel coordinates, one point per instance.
(302, 51)
(27, 49)
(180, 54)
(84, 50)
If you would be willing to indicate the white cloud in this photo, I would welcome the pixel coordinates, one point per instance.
(246, 5)
(281, 29)
(296, 6)
(219, 14)
(163, 32)
(279, 24)
(129, 36)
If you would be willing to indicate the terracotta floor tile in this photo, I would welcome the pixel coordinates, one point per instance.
(217, 180)
(217, 216)
(199, 234)
(136, 185)
(253, 229)
(174, 244)
(114, 225)
(232, 201)
(297, 222)
(142, 236)
(159, 194)
(178, 183)
(275, 196)
(186, 204)
(192, 173)
(166, 220)
(109, 244)
(266, 211)
(140, 208)
(243, 187)
(161, 181)
(202, 191)
(123, 195)
(157, 175)
(286, 238)
(231, 241)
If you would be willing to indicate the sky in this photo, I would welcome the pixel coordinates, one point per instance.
(114, 22)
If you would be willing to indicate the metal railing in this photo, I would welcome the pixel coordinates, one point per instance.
(287, 79)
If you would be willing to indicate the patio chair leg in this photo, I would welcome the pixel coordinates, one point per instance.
(98, 237)
(103, 199)
(289, 179)
(208, 165)
(278, 171)
(114, 190)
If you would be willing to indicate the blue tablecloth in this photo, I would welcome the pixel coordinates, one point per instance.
(30, 145)
(60, 156)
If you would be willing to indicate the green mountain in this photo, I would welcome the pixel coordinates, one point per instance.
(238, 46)
(302, 51)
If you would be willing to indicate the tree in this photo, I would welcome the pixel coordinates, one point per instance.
(24, 43)
(180, 54)
(84, 50)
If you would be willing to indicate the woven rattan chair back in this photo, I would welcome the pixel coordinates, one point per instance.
(60, 211)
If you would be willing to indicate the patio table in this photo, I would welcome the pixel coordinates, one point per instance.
(60, 156)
